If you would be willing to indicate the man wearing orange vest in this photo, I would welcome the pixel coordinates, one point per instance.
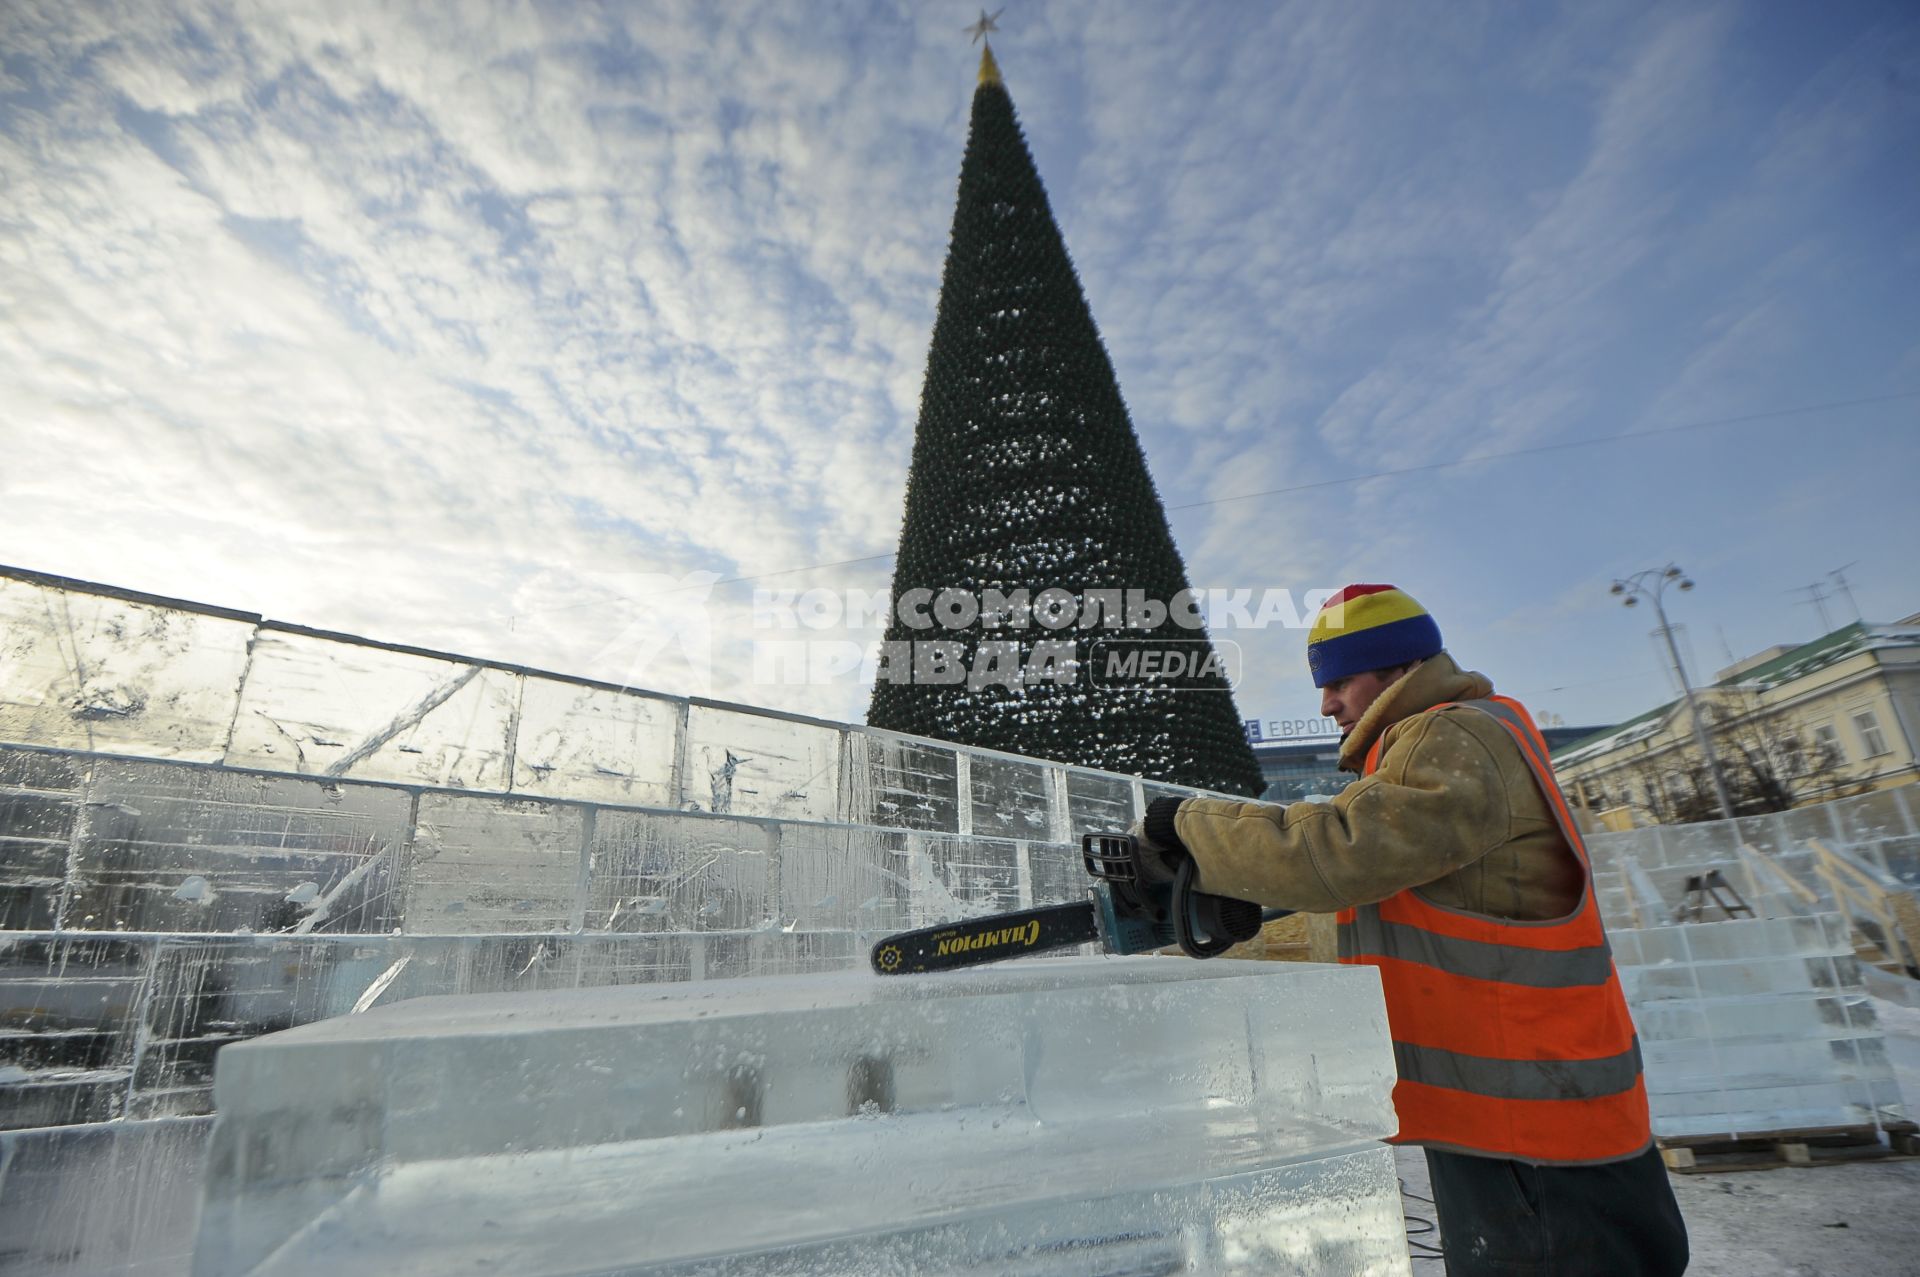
(1456, 870)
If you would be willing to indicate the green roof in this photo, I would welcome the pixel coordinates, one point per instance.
(1827, 644)
(1784, 668)
(1615, 730)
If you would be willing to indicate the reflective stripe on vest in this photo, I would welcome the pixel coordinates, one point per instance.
(1512, 1038)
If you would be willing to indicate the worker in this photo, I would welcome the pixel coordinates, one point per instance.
(1455, 869)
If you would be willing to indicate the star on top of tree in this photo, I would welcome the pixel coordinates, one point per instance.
(986, 24)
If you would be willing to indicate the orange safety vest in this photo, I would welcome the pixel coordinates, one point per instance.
(1512, 1038)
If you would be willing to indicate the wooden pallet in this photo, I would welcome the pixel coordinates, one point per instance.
(1769, 1150)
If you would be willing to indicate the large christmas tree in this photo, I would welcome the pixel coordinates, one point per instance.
(1029, 499)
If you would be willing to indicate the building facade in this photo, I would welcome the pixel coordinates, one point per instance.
(1792, 725)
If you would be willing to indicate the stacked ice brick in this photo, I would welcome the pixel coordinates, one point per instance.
(1755, 1025)
(214, 826)
(1749, 1025)
(1076, 1116)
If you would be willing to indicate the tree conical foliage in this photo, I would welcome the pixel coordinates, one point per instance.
(1027, 476)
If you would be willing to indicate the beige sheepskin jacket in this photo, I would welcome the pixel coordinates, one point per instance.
(1452, 811)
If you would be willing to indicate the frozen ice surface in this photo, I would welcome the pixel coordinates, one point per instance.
(1010, 798)
(486, 865)
(1755, 1024)
(100, 1027)
(746, 764)
(1873, 816)
(1077, 1115)
(595, 743)
(314, 704)
(98, 672)
(1096, 801)
(98, 844)
(900, 782)
(108, 1197)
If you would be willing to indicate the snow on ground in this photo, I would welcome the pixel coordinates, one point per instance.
(1855, 1219)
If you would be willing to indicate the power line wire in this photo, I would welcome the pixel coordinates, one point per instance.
(1426, 468)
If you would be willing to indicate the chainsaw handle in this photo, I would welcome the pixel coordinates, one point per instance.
(1224, 920)
(1204, 925)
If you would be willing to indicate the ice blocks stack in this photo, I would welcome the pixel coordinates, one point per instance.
(1076, 1116)
(214, 826)
(1755, 1025)
(101, 1197)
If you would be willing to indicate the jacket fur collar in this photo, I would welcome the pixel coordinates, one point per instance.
(1434, 681)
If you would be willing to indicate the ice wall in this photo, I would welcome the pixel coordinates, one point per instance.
(100, 672)
(171, 771)
(214, 826)
(1076, 1116)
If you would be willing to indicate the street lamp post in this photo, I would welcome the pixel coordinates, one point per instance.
(1650, 585)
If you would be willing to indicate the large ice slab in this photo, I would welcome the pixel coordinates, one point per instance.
(95, 1028)
(1082, 1115)
(104, 670)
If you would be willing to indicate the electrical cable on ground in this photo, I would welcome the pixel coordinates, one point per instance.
(1420, 1226)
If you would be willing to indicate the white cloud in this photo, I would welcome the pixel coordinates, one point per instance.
(421, 305)
(422, 322)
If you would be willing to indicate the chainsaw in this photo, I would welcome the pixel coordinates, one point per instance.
(1122, 913)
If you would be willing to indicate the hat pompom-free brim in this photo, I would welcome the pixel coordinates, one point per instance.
(1368, 627)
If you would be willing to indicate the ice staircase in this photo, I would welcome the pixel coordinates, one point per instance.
(1755, 1029)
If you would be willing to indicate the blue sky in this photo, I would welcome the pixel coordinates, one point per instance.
(510, 329)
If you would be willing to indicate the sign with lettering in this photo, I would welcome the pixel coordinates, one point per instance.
(1266, 731)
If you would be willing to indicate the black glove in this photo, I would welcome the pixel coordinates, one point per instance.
(1158, 850)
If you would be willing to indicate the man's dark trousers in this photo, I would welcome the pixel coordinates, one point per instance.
(1501, 1218)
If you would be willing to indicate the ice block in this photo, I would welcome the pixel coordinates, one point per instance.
(103, 1197)
(97, 1027)
(1071, 1116)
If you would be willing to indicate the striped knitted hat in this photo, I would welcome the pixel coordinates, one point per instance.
(1368, 627)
